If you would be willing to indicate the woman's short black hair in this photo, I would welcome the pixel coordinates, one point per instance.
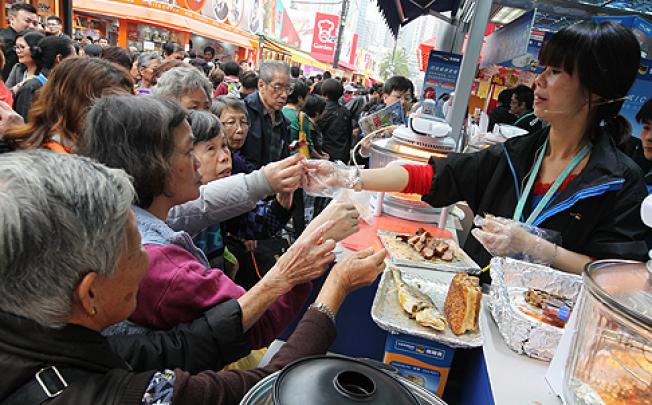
(171, 47)
(645, 113)
(135, 134)
(46, 52)
(504, 97)
(31, 37)
(398, 83)
(249, 80)
(605, 57)
(92, 50)
(314, 105)
(298, 90)
(332, 89)
(205, 125)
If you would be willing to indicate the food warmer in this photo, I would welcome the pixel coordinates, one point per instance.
(610, 359)
(423, 138)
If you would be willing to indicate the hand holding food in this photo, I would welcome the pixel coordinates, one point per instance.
(322, 178)
(285, 175)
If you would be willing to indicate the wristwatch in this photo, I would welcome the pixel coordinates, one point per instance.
(357, 180)
(323, 309)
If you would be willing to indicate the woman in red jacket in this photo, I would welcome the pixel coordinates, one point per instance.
(569, 177)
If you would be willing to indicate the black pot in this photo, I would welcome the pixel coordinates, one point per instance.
(338, 380)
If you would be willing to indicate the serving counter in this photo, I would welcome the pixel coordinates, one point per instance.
(487, 375)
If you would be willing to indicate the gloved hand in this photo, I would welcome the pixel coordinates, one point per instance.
(508, 238)
(322, 178)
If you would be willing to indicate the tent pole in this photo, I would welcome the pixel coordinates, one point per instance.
(468, 68)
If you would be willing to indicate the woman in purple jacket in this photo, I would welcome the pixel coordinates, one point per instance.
(152, 141)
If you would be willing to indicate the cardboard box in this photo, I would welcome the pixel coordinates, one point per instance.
(422, 361)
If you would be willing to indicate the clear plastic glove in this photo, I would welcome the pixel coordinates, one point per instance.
(508, 238)
(322, 178)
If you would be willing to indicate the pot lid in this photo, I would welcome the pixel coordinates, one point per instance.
(338, 380)
(624, 286)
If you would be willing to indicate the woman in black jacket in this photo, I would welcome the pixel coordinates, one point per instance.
(589, 69)
(47, 53)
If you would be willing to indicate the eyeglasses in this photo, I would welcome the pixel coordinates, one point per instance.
(19, 48)
(232, 123)
(281, 88)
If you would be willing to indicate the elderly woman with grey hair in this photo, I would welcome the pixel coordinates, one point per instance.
(71, 263)
(147, 63)
(188, 85)
(151, 139)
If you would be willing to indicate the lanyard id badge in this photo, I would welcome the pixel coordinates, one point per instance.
(518, 212)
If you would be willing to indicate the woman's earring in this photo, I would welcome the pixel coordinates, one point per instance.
(93, 311)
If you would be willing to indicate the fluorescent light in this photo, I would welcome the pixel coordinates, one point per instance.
(506, 15)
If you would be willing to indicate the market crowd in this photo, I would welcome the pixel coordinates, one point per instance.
(153, 228)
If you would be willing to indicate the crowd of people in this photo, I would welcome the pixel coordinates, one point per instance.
(134, 187)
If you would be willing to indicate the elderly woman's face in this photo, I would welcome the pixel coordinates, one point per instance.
(195, 99)
(185, 180)
(215, 158)
(115, 298)
(146, 73)
(236, 126)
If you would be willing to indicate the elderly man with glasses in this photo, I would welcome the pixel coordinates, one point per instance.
(269, 134)
(21, 17)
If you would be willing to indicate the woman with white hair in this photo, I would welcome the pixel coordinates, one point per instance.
(71, 263)
(147, 63)
(188, 85)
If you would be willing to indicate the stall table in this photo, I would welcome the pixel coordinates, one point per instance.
(493, 374)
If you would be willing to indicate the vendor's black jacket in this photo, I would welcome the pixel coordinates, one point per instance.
(114, 369)
(597, 214)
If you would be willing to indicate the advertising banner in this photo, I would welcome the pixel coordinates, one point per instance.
(509, 42)
(289, 34)
(529, 61)
(441, 74)
(324, 37)
(640, 92)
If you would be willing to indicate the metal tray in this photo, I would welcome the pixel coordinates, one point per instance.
(463, 263)
(522, 333)
(390, 316)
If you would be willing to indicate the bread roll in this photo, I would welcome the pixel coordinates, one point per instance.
(462, 307)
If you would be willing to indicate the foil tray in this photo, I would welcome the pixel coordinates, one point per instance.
(463, 264)
(390, 316)
(523, 334)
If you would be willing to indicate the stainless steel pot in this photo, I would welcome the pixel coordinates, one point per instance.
(338, 380)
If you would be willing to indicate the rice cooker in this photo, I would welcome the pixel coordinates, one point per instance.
(327, 380)
(425, 137)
